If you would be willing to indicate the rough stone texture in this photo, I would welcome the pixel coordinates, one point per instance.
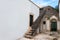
(40, 37)
(44, 12)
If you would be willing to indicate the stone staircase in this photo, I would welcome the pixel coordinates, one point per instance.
(30, 34)
(32, 30)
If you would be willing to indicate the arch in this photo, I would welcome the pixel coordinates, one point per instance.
(53, 17)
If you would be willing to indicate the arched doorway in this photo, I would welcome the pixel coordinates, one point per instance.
(53, 25)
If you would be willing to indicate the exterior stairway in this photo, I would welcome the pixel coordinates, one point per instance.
(30, 34)
(36, 24)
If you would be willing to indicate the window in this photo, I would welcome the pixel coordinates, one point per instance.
(44, 22)
(31, 20)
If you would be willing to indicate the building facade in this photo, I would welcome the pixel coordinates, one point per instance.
(48, 22)
(14, 18)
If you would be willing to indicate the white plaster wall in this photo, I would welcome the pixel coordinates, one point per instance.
(43, 26)
(58, 25)
(14, 18)
(35, 11)
(48, 24)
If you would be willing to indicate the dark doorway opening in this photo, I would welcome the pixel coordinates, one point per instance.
(54, 26)
(31, 20)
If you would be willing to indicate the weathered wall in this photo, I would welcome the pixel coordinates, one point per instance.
(58, 24)
(59, 9)
(14, 18)
(47, 26)
(43, 26)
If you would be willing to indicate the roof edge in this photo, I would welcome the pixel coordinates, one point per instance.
(34, 3)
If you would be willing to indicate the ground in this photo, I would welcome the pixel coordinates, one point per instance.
(40, 37)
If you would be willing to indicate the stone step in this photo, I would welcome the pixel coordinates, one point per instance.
(32, 30)
(28, 36)
(29, 33)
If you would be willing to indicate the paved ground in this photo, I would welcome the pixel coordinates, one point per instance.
(40, 37)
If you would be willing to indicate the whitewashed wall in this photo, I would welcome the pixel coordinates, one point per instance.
(34, 10)
(14, 18)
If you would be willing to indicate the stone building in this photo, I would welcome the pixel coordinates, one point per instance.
(48, 22)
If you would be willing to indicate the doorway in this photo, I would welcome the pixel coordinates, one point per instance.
(54, 25)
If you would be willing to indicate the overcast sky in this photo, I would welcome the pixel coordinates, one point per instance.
(43, 3)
